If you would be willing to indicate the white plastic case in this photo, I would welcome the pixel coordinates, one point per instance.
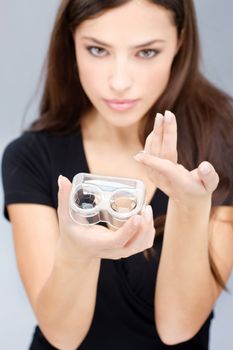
(107, 199)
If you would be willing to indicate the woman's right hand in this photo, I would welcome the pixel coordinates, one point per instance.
(136, 235)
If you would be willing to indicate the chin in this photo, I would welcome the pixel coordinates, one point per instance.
(124, 123)
(123, 120)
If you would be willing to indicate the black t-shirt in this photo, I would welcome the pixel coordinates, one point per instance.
(124, 312)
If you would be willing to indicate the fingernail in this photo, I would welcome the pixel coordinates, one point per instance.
(168, 117)
(205, 168)
(139, 155)
(158, 120)
(136, 220)
(148, 213)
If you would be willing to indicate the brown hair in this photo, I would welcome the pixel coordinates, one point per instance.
(204, 113)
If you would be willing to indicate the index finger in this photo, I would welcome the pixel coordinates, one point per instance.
(125, 233)
(169, 143)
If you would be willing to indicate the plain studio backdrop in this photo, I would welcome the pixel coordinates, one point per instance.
(25, 27)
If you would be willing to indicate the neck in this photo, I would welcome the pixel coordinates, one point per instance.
(96, 127)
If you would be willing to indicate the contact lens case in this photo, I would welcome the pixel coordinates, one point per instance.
(112, 200)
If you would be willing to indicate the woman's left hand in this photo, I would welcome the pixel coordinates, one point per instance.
(160, 157)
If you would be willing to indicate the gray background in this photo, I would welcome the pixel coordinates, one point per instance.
(25, 26)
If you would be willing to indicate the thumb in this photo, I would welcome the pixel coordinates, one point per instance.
(64, 186)
(208, 175)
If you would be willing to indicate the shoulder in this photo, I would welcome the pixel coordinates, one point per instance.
(38, 144)
(25, 157)
(37, 158)
(24, 143)
(26, 154)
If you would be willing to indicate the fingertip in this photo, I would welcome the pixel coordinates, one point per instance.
(64, 188)
(62, 181)
(205, 168)
(137, 220)
(139, 156)
(168, 117)
(148, 213)
(59, 181)
(159, 120)
(208, 175)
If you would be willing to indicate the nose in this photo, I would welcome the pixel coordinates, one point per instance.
(120, 80)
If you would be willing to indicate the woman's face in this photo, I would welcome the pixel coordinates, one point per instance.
(124, 59)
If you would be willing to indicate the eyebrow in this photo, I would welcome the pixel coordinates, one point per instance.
(148, 43)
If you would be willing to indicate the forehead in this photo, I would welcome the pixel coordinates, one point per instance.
(135, 21)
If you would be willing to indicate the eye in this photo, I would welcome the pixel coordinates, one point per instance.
(148, 53)
(97, 51)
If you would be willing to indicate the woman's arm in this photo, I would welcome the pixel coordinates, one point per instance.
(61, 289)
(185, 289)
(59, 263)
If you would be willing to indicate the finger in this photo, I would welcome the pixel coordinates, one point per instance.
(106, 241)
(139, 243)
(120, 237)
(169, 143)
(145, 240)
(64, 186)
(148, 143)
(157, 139)
(161, 166)
(148, 214)
(142, 238)
(208, 176)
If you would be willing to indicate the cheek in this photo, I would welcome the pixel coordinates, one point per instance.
(158, 76)
(156, 80)
(89, 76)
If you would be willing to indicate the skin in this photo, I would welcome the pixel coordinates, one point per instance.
(181, 305)
(121, 70)
(64, 255)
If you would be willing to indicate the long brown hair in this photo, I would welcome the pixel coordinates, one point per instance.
(204, 113)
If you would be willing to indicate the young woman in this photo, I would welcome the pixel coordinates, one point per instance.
(115, 71)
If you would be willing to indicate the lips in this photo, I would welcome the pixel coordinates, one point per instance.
(121, 105)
